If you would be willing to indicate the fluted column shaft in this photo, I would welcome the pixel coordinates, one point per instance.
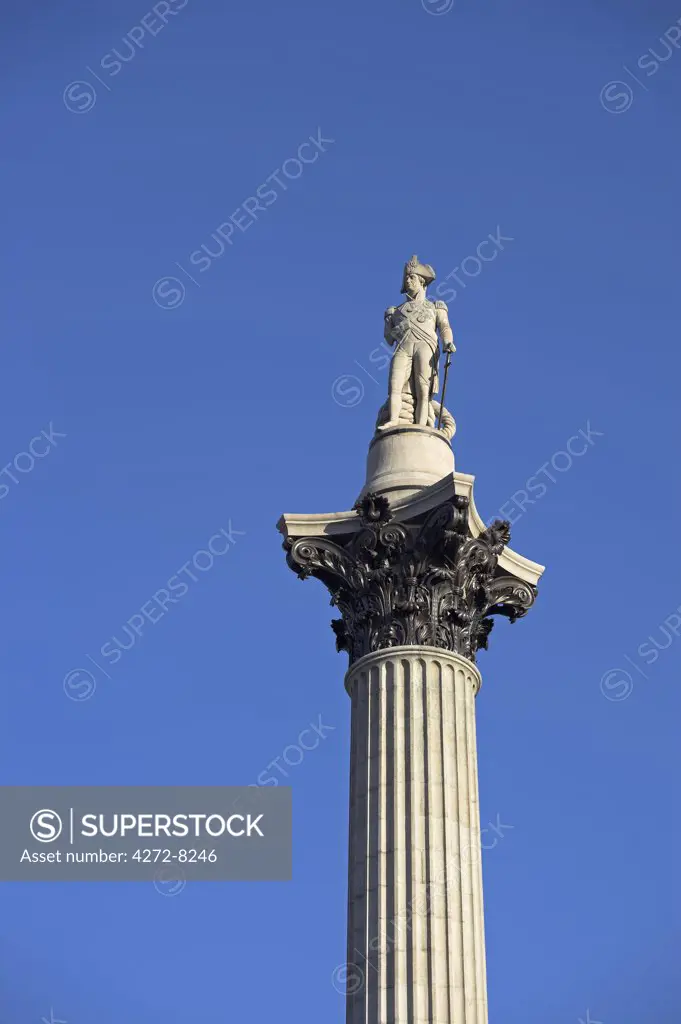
(416, 952)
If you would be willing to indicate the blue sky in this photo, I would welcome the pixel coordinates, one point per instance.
(251, 390)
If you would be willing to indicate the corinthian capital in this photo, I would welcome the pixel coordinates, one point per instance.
(426, 579)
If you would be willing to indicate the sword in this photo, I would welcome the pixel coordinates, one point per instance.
(444, 388)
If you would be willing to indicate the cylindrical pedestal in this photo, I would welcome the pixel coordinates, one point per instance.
(416, 952)
(405, 459)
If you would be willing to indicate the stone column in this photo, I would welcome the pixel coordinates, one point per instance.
(416, 952)
(417, 579)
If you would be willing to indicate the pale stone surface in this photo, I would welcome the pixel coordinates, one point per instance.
(445, 423)
(333, 524)
(416, 951)
(413, 327)
(405, 460)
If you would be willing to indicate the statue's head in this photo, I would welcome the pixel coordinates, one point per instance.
(416, 276)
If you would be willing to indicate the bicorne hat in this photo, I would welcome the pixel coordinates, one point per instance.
(424, 270)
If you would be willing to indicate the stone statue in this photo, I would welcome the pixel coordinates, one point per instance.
(413, 328)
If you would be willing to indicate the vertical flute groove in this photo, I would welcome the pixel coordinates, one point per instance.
(476, 850)
(401, 840)
(481, 960)
(382, 853)
(415, 924)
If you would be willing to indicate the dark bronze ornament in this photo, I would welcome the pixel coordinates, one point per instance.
(427, 581)
(372, 509)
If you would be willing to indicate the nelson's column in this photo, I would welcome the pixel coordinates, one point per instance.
(416, 578)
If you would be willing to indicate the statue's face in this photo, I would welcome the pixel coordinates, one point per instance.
(414, 284)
